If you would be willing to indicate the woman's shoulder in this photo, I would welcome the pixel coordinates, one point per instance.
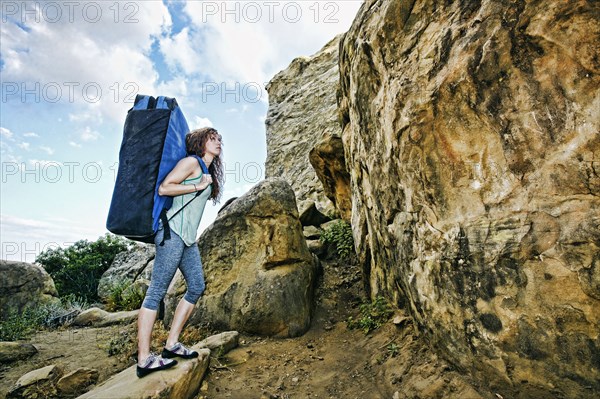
(188, 163)
(188, 166)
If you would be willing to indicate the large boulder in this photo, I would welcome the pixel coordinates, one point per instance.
(302, 108)
(258, 269)
(470, 132)
(24, 285)
(129, 267)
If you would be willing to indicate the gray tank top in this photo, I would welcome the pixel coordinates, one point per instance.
(186, 222)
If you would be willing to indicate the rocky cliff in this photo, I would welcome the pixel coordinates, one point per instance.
(483, 119)
(302, 110)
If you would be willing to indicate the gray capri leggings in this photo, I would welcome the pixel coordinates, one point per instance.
(173, 254)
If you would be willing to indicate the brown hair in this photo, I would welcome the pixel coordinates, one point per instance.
(195, 143)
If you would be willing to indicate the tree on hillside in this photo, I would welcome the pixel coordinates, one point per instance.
(77, 269)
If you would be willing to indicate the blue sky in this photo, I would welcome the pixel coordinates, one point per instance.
(70, 71)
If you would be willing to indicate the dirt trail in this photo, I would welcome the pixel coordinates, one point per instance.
(332, 361)
(329, 361)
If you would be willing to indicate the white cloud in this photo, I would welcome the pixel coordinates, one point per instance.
(6, 133)
(74, 144)
(42, 163)
(7, 153)
(179, 53)
(24, 238)
(31, 134)
(218, 53)
(49, 150)
(201, 122)
(103, 64)
(261, 44)
(23, 145)
(89, 135)
(94, 116)
(97, 65)
(11, 158)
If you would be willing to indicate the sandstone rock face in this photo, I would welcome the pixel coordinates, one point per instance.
(470, 132)
(129, 266)
(23, 285)
(259, 272)
(302, 107)
(327, 159)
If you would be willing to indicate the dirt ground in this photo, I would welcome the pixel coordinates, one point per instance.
(332, 361)
(329, 361)
(70, 349)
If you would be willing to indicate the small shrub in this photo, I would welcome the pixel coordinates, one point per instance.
(220, 353)
(124, 296)
(132, 298)
(122, 344)
(372, 315)
(21, 324)
(340, 234)
(393, 350)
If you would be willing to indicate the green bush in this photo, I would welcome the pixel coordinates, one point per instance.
(77, 269)
(124, 296)
(372, 315)
(340, 234)
(21, 324)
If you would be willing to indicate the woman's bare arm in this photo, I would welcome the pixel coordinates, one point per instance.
(184, 169)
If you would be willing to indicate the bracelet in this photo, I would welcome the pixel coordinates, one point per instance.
(195, 188)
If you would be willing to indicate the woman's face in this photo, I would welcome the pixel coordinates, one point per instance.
(213, 145)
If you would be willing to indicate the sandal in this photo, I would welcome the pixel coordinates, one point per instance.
(179, 350)
(154, 363)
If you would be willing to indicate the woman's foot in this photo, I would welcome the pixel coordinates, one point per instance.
(179, 350)
(154, 363)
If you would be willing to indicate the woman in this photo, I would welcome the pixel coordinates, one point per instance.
(181, 250)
